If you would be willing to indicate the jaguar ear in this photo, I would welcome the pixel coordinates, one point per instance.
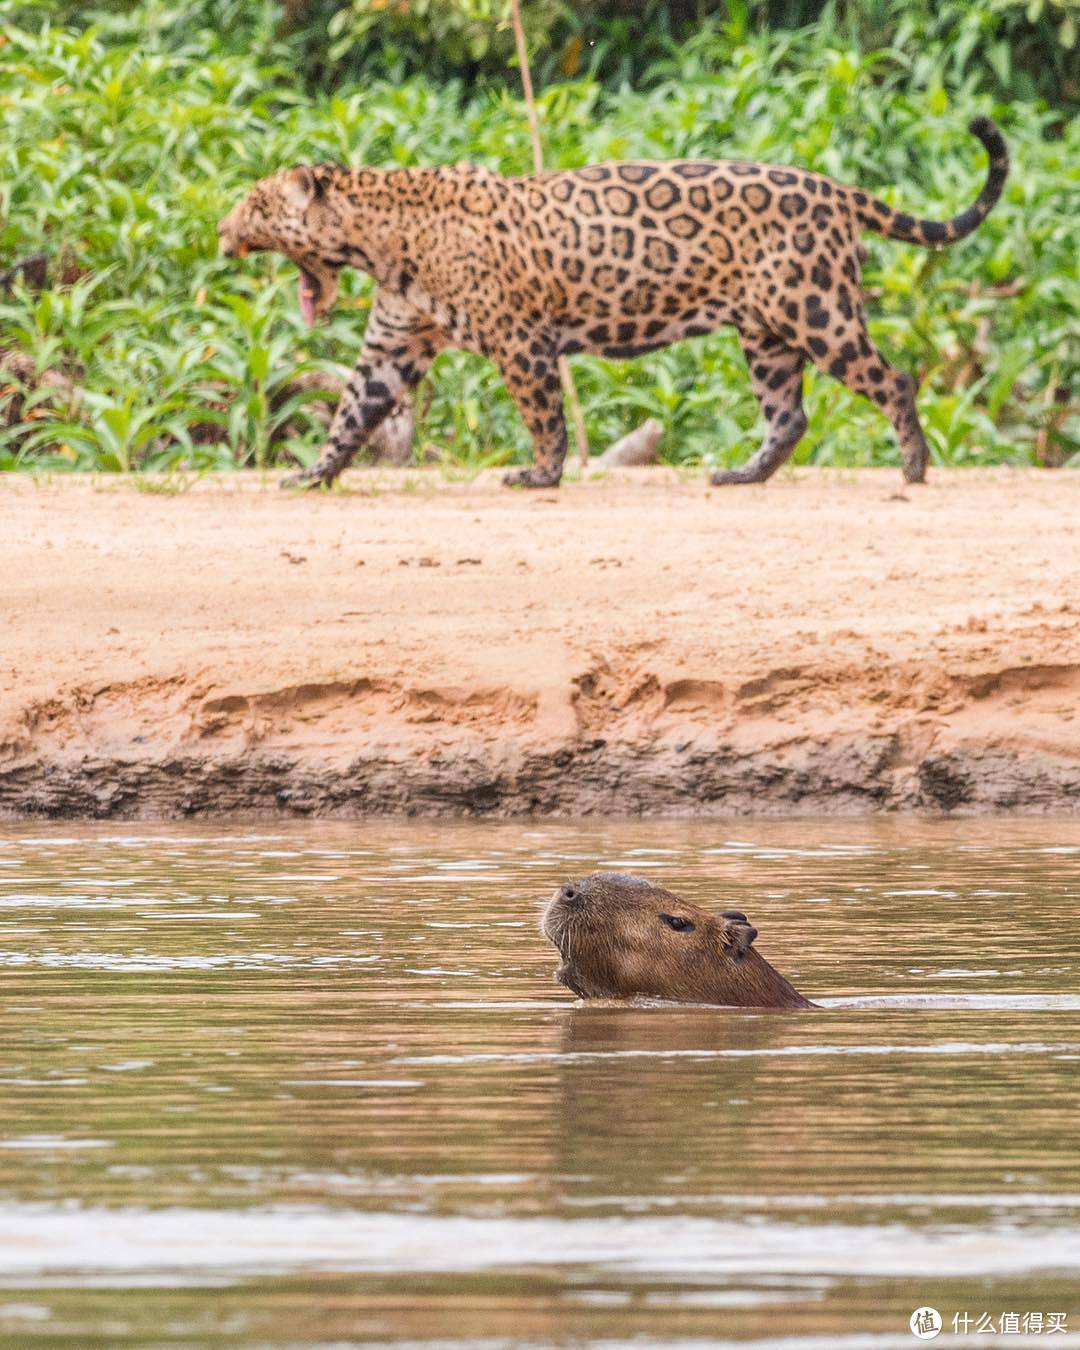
(300, 186)
(737, 934)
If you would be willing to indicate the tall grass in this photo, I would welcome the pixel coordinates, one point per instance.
(122, 143)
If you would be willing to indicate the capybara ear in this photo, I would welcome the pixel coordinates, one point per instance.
(737, 934)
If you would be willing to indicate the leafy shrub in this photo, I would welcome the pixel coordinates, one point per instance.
(123, 143)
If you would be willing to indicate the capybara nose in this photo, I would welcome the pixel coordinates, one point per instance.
(735, 914)
(573, 892)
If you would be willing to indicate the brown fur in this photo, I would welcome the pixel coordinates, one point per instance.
(615, 259)
(616, 940)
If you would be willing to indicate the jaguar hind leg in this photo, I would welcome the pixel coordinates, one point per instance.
(776, 374)
(832, 330)
(852, 358)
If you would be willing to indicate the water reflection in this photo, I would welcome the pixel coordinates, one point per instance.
(323, 1071)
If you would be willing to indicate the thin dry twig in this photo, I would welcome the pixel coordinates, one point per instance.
(565, 373)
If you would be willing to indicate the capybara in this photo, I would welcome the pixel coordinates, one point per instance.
(622, 937)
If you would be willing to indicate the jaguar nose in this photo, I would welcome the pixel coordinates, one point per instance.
(230, 233)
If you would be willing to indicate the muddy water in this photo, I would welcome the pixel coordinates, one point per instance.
(314, 1084)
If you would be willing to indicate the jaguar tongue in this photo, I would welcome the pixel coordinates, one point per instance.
(309, 290)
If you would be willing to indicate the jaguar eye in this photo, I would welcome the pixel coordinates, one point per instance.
(677, 922)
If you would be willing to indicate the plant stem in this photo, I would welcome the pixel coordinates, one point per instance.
(565, 373)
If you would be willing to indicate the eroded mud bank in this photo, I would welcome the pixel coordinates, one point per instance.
(637, 644)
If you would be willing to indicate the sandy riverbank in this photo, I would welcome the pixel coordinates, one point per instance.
(639, 643)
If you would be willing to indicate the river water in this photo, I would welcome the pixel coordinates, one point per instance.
(314, 1084)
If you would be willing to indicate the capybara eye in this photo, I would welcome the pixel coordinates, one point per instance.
(735, 914)
(677, 922)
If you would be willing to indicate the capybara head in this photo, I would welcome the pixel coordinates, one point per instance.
(292, 212)
(620, 937)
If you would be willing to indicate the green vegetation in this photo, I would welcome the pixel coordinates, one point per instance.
(128, 130)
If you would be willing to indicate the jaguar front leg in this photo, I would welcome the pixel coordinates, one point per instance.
(399, 346)
(532, 377)
(368, 399)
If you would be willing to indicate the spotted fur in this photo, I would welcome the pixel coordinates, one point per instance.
(614, 259)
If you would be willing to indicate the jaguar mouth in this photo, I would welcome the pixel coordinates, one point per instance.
(310, 292)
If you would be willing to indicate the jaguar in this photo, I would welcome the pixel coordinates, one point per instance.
(613, 259)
